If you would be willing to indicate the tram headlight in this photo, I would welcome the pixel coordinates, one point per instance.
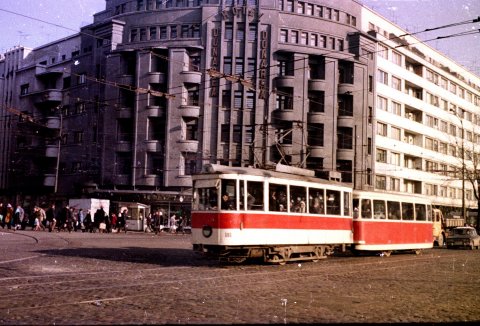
(207, 231)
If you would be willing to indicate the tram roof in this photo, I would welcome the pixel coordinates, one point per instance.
(281, 173)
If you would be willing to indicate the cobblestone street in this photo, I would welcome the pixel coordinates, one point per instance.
(139, 278)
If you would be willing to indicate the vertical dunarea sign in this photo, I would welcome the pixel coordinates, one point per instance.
(262, 74)
(214, 61)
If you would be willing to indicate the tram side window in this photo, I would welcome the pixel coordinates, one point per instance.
(420, 212)
(206, 199)
(229, 195)
(277, 195)
(393, 209)
(379, 210)
(333, 202)
(366, 208)
(355, 208)
(407, 211)
(429, 213)
(316, 201)
(254, 195)
(297, 199)
(346, 203)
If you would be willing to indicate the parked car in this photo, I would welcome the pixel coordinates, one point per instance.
(463, 237)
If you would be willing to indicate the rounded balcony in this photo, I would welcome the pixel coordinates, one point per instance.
(153, 145)
(48, 96)
(49, 180)
(316, 85)
(284, 115)
(121, 179)
(192, 77)
(183, 181)
(123, 146)
(316, 117)
(125, 80)
(345, 154)
(190, 146)
(345, 121)
(317, 151)
(285, 81)
(124, 113)
(287, 149)
(345, 88)
(149, 180)
(189, 111)
(156, 78)
(53, 122)
(52, 151)
(155, 111)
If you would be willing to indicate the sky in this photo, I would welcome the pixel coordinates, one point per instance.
(412, 15)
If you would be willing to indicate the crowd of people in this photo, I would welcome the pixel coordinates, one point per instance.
(71, 219)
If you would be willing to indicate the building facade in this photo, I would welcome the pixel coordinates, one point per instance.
(138, 101)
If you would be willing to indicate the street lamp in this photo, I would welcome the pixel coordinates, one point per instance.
(454, 112)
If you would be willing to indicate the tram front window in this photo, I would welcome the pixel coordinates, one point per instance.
(206, 199)
(229, 192)
(366, 208)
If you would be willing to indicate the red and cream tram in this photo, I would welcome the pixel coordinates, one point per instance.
(241, 213)
(385, 222)
(289, 215)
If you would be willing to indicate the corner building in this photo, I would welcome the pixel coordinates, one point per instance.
(154, 89)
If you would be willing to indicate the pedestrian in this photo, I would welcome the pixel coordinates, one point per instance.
(9, 216)
(18, 217)
(51, 218)
(122, 221)
(173, 226)
(99, 220)
(113, 221)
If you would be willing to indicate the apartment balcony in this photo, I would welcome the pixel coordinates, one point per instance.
(123, 146)
(284, 115)
(191, 77)
(52, 96)
(316, 117)
(49, 180)
(53, 122)
(127, 80)
(345, 88)
(149, 180)
(124, 113)
(288, 149)
(189, 111)
(317, 85)
(52, 150)
(285, 81)
(121, 179)
(345, 154)
(317, 151)
(153, 145)
(155, 111)
(189, 146)
(44, 72)
(157, 78)
(345, 121)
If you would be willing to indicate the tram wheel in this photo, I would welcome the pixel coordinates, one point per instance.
(386, 253)
(318, 254)
(418, 252)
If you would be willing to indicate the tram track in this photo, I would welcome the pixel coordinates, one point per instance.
(158, 281)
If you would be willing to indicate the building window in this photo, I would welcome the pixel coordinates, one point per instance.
(381, 182)
(382, 51)
(395, 133)
(78, 137)
(239, 66)
(345, 105)
(173, 31)
(396, 58)
(228, 31)
(190, 164)
(382, 77)
(24, 89)
(81, 79)
(163, 32)
(193, 94)
(294, 37)
(153, 33)
(191, 128)
(345, 138)
(227, 65)
(316, 101)
(394, 184)
(289, 7)
(143, 34)
(381, 129)
(396, 108)
(381, 155)
(283, 36)
(382, 103)
(252, 33)
(315, 134)
(225, 133)
(226, 98)
(240, 32)
(304, 38)
(184, 32)
(395, 159)
(396, 83)
(238, 100)
(314, 40)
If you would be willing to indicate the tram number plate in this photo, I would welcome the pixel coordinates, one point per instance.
(228, 234)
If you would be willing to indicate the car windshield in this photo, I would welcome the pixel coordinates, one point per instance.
(464, 232)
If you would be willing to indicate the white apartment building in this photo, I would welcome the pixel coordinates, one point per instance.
(427, 118)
